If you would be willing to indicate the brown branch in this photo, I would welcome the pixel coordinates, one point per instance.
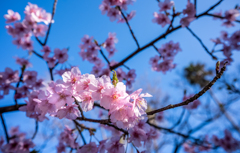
(129, 27)
(94, 120)
(5, 128)
(80, 132)
(18, 83)
(220, 17)
(36, 130)
(196, 96)
(144, 47)
(10, 108)
(106, 59)
(50, 24)
(159, 38)
(200, 41)
(40, 56)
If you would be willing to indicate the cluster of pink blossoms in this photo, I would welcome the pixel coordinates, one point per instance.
(228, 142)
(190, 12)
(90, 48)
(60, 56)
(167, 52)
(9, 77)
(228, 17)
(23, 31)
(109, 7)
(162, 18)
(228, 44)
(59, 99)
(18, 143)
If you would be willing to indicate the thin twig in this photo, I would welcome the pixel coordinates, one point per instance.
(5, 128)
(200, 41)
(159, 38)
(18, 84)
(220, 17)
(80, 132)
(129, 27)
(196, 96)
(36, 130)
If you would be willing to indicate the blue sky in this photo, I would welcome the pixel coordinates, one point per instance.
(74, 19)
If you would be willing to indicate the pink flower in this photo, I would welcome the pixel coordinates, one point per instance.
(131, 75)
(185, 22)
(70, 112)
(103, 83)
(10, 30)
(61, 96)
(29, 22)
(40, 30)
(12, 16)
(51, 61)
(114, 146)
(151, 135)
(114, 96)
(120, 74)
(61, 55)
(159, 117)
(102, 146)
(20, 29)
(139, 101)
(231, 15)
(23, 62)
(190, 9)
(161, 19)
(87, 101)
(68, 138)
(104, 7)
(154, 60)
(166, 5)
(71, 77)
(30, 77)
(91, 148)
(136, 136)
(87, 41)
(46, 50)
(10, 76)
(114, 14)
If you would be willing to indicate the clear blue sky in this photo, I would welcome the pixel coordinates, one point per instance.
(75, 18)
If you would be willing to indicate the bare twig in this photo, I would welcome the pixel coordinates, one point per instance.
(196, 96)
(36, 130)
(5, 128)
(130, 29)
(200, 41)
(80, 132)
(220, 17)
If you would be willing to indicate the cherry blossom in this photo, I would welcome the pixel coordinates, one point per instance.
(12, 16)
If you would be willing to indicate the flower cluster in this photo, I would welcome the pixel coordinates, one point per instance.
(9, 76)
(18, 142)
(60, 56)
(167, 52)
(66, 139)
(228, 17)
(162, 18)
(229, 43)
(228, 142)
(190, 12)
(143, 132)
(24, 30)
(192, 105)
(111, 8)
(60, 99)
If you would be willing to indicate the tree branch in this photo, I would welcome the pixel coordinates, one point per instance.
(129, 27)
(5, 128)
(200, 41)
(36, 130)
(196, 96)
